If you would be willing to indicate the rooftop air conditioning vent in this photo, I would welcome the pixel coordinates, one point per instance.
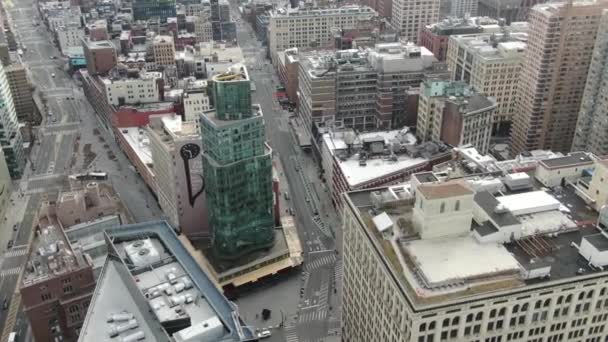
(138, 243)
(143, 251)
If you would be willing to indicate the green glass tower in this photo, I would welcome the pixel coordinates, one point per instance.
(237, 168)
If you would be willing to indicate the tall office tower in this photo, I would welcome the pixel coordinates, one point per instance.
(410, 17)
(490, 63)
(592, 127)
(510, 10)
(238, 168)
(224, 29)
(560, 45)
(10, 136)
(21, 89)
(146, 9)
(178, 169)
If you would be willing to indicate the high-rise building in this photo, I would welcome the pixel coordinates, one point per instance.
(238, 168)
(592, 127)
(509, 10)
(312, 28)
(490, 63)
(10, 136)
(100, 56)
(550, 89)
(178, 170)
(21, 89)
(146, 9)
(454, 113)
(362, 89)
(224, 29)
(437, 260)
(5, 185)
(163, 50)
(410, 17)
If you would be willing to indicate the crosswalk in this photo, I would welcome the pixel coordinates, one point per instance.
(322, 294)
(321, 261)
(15, 252)
(10, 272)
(338, 273)
(291, 334)
(312, 315)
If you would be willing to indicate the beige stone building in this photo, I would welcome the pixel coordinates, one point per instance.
(410, 17)
(21, 89)
(434, 260)
(178, 169)
(163, 50)
(312, 28)
(553, 77)
(454, 113)
(491, 64)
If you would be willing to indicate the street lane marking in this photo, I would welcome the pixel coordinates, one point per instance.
(10, 271)
(15, 252)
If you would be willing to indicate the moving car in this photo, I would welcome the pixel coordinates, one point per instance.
(53, 75)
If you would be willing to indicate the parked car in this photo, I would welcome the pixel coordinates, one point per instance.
(9, 245)
(264, 334)
(5, 304)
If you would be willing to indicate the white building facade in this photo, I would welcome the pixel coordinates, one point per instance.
(311, 28)
(142, 89)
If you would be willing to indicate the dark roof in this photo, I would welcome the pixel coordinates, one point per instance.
(598, 241)
(485, 228)
(575, 158)
(488, 203)
(425, 177)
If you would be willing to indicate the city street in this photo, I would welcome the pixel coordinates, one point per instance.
(316, 317)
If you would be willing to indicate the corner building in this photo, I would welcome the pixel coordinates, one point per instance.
(430, 261)
(238, 168)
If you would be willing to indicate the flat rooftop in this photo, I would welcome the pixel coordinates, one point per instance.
(573, 159)
(548, 226)
(137, 137)
(376, 163)
(161, 287)
(51, 254)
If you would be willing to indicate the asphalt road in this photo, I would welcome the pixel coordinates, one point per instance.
(315, 319)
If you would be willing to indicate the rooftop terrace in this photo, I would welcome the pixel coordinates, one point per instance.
(527, 238)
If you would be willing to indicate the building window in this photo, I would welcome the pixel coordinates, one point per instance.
(67, 289)
(45, 296)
